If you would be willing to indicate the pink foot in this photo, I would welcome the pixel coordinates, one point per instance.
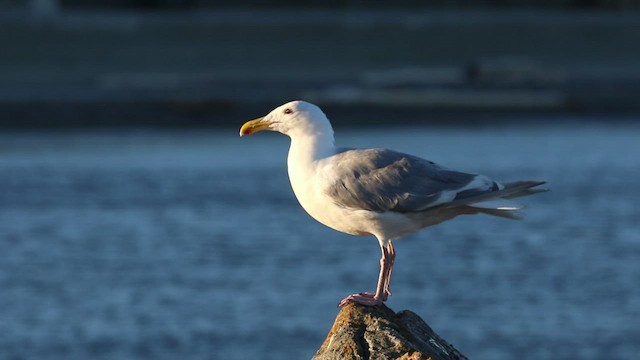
(363, 298)
(382, 289)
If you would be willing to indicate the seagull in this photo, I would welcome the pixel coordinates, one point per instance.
(378, 192)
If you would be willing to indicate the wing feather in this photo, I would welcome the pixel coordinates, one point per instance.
(384, 180)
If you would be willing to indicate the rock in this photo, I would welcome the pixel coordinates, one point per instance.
(362, 332)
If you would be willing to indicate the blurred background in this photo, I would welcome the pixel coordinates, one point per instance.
(136, 224)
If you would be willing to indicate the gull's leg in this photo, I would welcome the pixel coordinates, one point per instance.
(391, 255)
(386, 266)
(382, 290)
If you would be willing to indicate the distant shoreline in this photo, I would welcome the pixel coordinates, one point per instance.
(209, 68)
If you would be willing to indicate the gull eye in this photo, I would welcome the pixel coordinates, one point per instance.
(288, 111)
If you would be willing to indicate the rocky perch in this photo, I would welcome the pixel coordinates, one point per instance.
(362, 332)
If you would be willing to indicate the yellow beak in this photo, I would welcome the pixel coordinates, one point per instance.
(253, 126)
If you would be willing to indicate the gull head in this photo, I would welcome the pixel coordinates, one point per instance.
(294, 119)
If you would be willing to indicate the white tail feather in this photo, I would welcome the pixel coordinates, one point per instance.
(498, 204)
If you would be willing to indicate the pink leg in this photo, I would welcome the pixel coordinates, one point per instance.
(382, 290)
(392, 258)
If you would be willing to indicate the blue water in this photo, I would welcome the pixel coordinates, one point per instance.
(130, 244)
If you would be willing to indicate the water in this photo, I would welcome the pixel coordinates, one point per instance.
(166, 245)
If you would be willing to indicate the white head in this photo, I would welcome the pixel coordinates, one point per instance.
(294, 119)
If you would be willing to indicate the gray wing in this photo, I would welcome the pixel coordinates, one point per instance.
(384, 180)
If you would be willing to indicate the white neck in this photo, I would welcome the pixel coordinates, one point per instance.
(305, 154)
(307, 149)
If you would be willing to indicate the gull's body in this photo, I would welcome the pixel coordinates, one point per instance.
(377, 192)
(313, 180)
